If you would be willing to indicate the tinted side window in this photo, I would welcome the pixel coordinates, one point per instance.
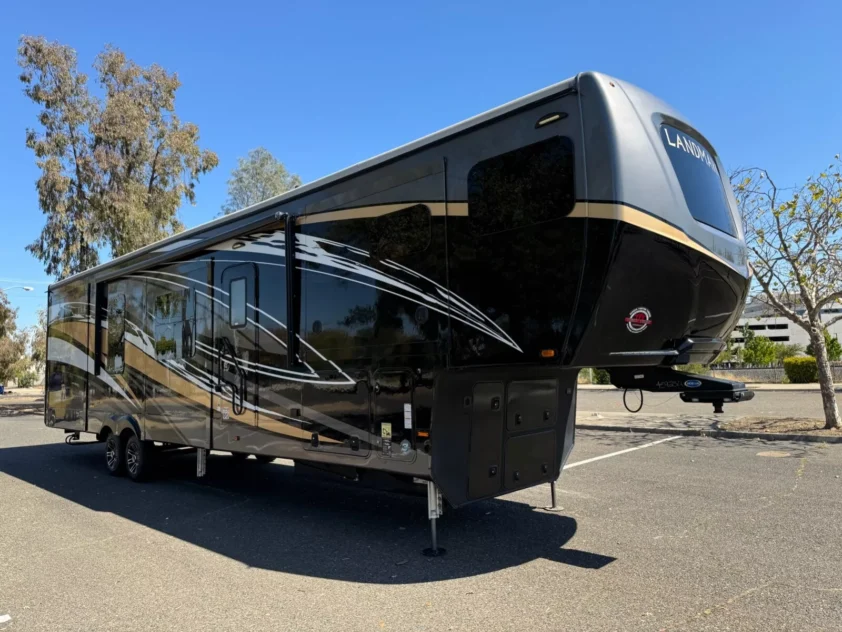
(237, 307)
(175, 323)
(116, 333)
(405, 232)
(515, 258)
(699, 178)
(188, 329)
(523, 187)
(170, 307)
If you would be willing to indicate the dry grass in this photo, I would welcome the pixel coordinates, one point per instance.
(22, 401)
(22, 395)
(788, 425)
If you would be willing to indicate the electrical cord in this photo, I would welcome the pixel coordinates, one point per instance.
(637, 410)
(626, 404)
(75, 439)
(665, 401)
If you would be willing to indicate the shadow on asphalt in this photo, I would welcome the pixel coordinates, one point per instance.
(268, 517)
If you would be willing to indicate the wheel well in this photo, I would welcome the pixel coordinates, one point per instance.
(128, 432)
(102, 435)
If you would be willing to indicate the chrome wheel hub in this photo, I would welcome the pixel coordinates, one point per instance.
(132, 457)
(111, 453)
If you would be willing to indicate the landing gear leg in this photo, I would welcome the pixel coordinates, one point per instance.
(201, 462)
(434, 512)
(717, 407)
(554, 506)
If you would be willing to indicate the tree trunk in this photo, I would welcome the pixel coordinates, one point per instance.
(831, 410)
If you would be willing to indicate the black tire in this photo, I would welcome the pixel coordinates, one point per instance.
(264, 458)
(114, 461)
(138, 458)
(239, 456)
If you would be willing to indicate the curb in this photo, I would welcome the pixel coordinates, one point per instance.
(713, 433)
(765, 389)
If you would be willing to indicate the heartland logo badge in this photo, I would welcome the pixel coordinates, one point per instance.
(638, 320)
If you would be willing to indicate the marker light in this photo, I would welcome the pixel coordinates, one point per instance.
(547, 353)
(550, 118)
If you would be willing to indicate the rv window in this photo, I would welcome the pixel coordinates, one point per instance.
(402, 233)
(170, 307)
(237, 305)
(166, 347)
(175, 323)
(188, 338)
(116, 332)
(188, 329)
(523, 187)
(700, 180)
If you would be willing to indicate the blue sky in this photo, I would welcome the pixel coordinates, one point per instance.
(323, 85)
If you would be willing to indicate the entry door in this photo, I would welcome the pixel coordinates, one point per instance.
(236, 354)
(177, 382)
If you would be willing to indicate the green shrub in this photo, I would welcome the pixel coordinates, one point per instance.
(784, 351)
(698, 369)
(758, 349)
(25, 380)
(600, 376)
(801, 370)
(834, 347)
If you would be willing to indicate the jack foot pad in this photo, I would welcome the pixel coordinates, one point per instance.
(554, 509)
(433, 552)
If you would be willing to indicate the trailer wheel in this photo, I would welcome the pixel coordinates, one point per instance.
(264, 458)
(138, 458)
(114, 454)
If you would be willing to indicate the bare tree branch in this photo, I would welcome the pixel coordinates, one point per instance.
(832, 321)
(795, 248)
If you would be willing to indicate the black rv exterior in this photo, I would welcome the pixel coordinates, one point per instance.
(443, 299)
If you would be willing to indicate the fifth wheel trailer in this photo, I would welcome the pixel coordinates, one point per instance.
(424, 313)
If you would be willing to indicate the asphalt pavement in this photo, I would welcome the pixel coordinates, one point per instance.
(683, 534)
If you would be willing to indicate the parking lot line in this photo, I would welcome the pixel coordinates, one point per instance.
(626, 451)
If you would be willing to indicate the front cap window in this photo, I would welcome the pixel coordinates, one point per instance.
(699, 178)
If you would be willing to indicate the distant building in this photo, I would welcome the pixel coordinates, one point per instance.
(763, 320)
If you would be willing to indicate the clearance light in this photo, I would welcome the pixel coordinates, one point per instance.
(550, 118)
(547, 353)
(237, 245)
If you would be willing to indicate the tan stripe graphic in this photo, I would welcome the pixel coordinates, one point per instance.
(142, 362)
(438, 209)
(591, 210)
(79, 331)
(629, 215)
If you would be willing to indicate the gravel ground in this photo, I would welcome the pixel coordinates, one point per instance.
(689, 534)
